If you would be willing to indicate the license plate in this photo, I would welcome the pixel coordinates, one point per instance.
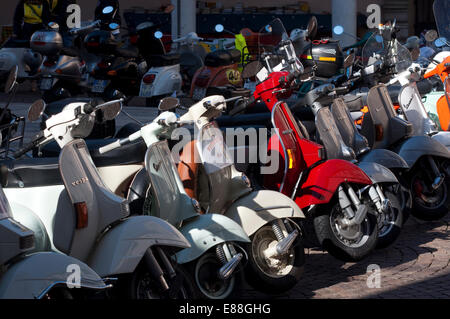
(46, 84)
(199, 94)
(99, 86)
(146, 90)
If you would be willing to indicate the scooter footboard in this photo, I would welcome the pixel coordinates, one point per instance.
(38, 273)
(208, 231)
(258, 208)
(121, 249)
(323, 180)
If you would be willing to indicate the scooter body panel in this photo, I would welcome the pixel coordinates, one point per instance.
(443, 137)
(120, 249)
(417, 146)
(386, 158)
(378, 173)
(258, 208)
(167, 80)
(37, 273)
(323, 180)
(207, 231)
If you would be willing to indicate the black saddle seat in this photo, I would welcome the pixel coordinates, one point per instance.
(424, 87)
(222, 58)
(33, 172)
(163, 60)
(132, 153)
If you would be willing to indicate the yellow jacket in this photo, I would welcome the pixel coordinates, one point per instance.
(33, 12)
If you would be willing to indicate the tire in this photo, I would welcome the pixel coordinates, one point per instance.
(260, 275)
(427, 205)
(135, 290)
(388, 233)
(335, 246)
(204, 271)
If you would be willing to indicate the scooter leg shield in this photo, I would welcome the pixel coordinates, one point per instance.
(207, 231)
(324, 179)
(121, 249)
(38, 273)
(261, 207)
(417, 146)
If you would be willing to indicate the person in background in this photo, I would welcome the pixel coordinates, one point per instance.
(32, 15)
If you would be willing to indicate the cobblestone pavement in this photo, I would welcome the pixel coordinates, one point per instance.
(416, 266)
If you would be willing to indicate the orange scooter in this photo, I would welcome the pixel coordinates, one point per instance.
(443, 105)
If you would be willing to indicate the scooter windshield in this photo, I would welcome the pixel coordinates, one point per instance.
(212, 149)
(389, 51)
(441, 14)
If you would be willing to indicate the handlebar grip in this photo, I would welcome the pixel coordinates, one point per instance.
(113, 146)
(88, 108)
(28, 147)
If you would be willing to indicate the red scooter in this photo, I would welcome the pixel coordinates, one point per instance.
(333, 193)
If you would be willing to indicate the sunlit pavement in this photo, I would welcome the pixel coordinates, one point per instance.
(416, 266)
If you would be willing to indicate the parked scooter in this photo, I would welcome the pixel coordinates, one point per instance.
(72, 211)
(217, 241)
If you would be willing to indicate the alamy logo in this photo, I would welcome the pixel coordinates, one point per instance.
(374, 18)
(74, 17)
(74, 278)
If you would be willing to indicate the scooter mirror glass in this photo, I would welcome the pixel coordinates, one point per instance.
(108, 10)
(111, 111)
(415, 53)
(312, 27)
(440, 42)
(338, 30)
(158, 35)
(36, 110)
(219, 28)
(168, 104)
(53, 25)
(114, 26)
(12, 78)
(349, 60)
(251, 69)
(431, 35)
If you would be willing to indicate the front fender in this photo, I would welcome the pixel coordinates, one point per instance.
(207, 231)
(261, 207)
(323, 180)
(386, 158)
(443, 137)
(378, 173)
(121, 249)
(417, 146)
(38, 273)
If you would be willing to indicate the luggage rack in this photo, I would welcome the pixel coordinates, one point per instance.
(10, 129)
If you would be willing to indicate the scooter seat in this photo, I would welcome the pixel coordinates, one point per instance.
(32, 172)
(424, 87)
(132, 153)
(163, 60)
(222, 58)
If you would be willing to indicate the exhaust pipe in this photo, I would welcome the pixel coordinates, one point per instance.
(228, 269)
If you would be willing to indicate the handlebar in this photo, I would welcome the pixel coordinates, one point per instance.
(242, 106)
(38, 138)
(114, 145)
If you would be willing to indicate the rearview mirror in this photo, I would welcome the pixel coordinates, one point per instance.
(338, 30)
(12, 79)
(111, 111)
(158, 35)
(168, 104)
(415, 53)
(114, 26)
(108, 10)
(312, 27)
(53, 26)
(440, 42)
(251, 69)
(219, 28)
(431, 35)
(36, 110)
(349, 60)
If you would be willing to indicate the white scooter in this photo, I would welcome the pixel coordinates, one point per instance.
(81, 217)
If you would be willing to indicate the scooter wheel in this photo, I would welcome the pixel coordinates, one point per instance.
(392, 219)
(428, 204)
(350, 244)
(273, 275)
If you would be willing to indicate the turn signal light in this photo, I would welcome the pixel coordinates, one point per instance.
(112, 73)
(58, 71)
(149, 78)
(82, 215)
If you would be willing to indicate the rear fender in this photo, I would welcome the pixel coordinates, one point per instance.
(167, 81)
(121, 249)
(208, 231)
(324, 179)
(260, 208)
(417, 146)
(38, 273)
